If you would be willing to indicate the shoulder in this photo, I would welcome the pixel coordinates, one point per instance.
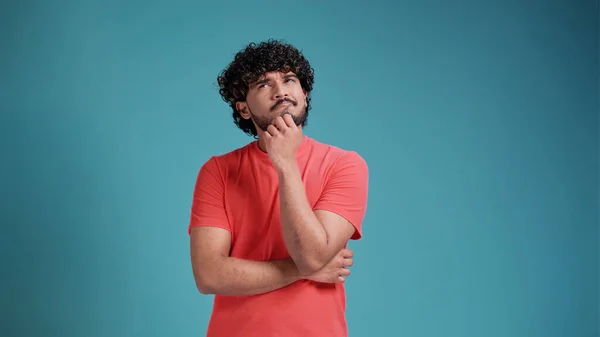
(233, 156)
(337, 156)
(219, 164)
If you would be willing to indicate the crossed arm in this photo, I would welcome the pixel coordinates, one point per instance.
(215, 272)
(312, 238)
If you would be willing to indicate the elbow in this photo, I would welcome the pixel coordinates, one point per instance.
(204, 284)
(309, 265)
(205, 290)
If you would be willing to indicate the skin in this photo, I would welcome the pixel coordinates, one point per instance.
(315, 239)
(215, 272)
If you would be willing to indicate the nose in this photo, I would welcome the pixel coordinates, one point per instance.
(279, 91)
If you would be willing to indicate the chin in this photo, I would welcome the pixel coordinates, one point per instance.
(294, 113)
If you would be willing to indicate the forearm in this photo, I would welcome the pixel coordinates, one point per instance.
(304, 236)
(237, 277)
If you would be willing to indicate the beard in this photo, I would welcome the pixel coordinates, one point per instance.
(264, 122)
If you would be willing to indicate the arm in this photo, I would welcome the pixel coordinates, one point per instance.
(215, 272)
(314, 237)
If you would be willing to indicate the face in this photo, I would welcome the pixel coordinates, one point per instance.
(274, 95)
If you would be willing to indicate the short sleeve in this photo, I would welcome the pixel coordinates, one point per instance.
(346, 190)
(208, 207)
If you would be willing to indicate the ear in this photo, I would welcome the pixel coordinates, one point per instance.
(242, 109)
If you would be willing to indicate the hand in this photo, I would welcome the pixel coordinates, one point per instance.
(282, 139)
(335, 271)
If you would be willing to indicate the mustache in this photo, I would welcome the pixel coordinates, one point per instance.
(289, 100)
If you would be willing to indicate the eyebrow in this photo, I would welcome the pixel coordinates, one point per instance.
(267, 80)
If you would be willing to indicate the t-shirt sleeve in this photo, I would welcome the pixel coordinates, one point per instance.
(346, 190)
(208, 207)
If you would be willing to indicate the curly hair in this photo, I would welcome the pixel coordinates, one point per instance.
(254, 61)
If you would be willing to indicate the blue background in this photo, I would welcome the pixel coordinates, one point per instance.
(478, 119)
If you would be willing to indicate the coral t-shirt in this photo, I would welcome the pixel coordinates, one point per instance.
(238, 191)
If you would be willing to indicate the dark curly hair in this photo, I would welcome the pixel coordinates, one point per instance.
(254, 61)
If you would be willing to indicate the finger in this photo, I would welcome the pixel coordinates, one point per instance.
(345, 272)
(341, 279)
(280, 124)
(348, 262)
(347, 252)
(272, 130)
(289, 121)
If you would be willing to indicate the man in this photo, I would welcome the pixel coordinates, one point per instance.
(271, 220)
